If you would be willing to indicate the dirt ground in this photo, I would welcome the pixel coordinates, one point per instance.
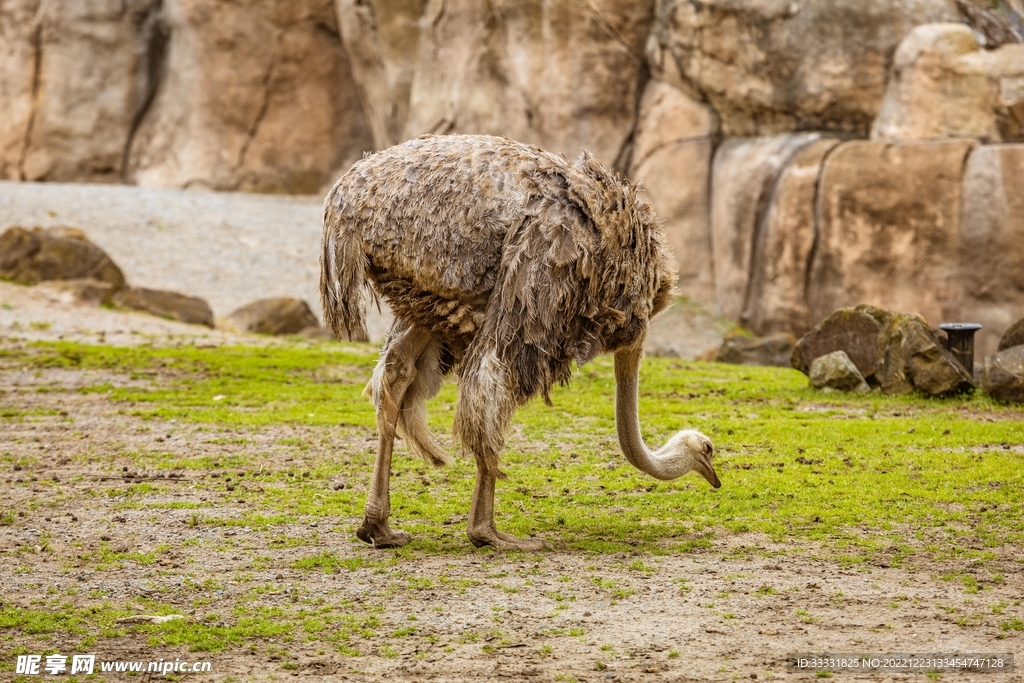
(738, 610)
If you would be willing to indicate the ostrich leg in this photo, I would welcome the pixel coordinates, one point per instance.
(481, 516)
(398, 360)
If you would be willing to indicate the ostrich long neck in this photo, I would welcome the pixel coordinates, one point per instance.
(627, 419)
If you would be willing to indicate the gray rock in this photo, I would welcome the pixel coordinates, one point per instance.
(853, 330)
(79, 292)
(172, 305)
(836, 371)
(775, 350)
(1013, 336)
(57, 253)
(283, 315)
(913, 358)
(1003, 377)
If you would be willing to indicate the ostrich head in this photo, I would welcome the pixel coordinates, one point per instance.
(687, 450)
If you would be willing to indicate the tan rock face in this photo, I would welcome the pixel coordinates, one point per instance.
(381, 39)
(888, 224)
(563, 76)
(782, 65)
(76, 76)
(991, 247)
(743, 181)
(256, 97)
(672, 158)
(944, 86)
(18, 38)
(776, 299)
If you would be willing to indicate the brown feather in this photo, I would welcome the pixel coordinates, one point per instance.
(520, 262)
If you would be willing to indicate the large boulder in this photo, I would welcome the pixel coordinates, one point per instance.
(1003, 377)
(166, 304)
(851, 330)
(74, 79)
(944, 85)
(282, 315)
(743, 178)
(837, 372)
(671, 158)
(564, 76)
(913, 358)
(1013, 336)
(255, 97)
(888, 228)
(34, 256)
(782, 65)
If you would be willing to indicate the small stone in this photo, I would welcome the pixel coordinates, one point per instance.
(79, 292)
(283, 315)
(166, 304)
(836, 371)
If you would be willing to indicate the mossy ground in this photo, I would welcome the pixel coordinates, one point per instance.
(262, 454)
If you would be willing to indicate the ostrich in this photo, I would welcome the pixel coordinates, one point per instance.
(503, 263)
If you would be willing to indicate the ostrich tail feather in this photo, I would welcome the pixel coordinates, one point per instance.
(343, 282)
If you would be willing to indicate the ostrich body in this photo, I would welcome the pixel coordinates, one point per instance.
(505, 264)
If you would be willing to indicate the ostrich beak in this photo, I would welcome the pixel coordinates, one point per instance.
(707, 470)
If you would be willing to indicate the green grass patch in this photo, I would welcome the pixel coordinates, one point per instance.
(850, 473)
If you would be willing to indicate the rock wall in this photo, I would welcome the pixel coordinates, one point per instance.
(928, 227)
(803, 154)
(562, 75)
(240, 96)
(776, 66)
(74, 78)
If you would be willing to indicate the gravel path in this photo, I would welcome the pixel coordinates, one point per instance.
(228, 248)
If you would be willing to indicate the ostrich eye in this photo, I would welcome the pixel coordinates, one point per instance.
(707, 449)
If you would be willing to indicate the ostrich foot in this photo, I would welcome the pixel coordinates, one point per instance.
(502, 541)
(380, 535)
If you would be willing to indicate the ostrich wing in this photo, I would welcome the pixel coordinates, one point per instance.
(547, 308)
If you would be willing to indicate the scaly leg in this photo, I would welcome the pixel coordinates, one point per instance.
(399, 371)
(481, 517)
